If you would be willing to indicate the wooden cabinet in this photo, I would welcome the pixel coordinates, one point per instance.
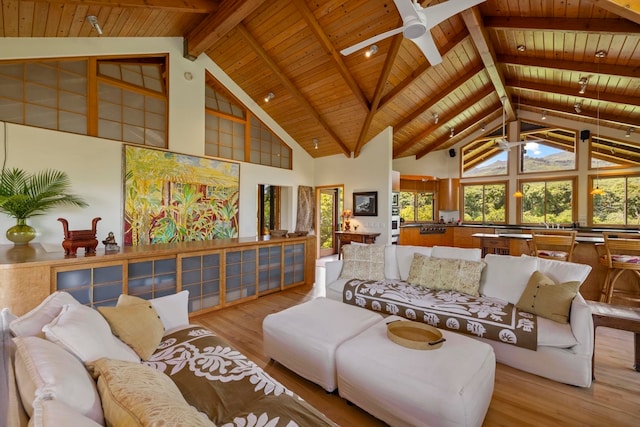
(462, 236)
(412, 236)
(448, 194)
(216, 273)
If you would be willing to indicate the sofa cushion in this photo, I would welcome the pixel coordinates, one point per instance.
(404, 258)
(31, 323)
(505, 276)
(563, 271)
(137, 325)
(53, 412)
(47, 371)
(137, 395)
(449, 252)
(446, 274)
(554, 334)
(364, 262)
(548, 299)
(85, 333)
(173, 309)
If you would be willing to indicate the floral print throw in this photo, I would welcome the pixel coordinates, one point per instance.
(480, 316)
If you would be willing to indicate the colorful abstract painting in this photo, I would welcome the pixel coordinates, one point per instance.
(170, 197)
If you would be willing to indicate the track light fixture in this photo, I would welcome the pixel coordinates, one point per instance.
(451, 133)
(484, 126)
(269, 97)
(521, 48)
(436, 118)
(93, 20)
(544, 115)
(315, 143)
(628, 134)
(578, 107)
(583, 84)
(371, 51)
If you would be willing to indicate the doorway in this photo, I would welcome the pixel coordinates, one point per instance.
(329, 201)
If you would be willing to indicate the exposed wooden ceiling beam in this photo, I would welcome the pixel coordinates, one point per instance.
(583, 67)
(410, 79)
(229, 14)
(464, 126)
(315, 27)
(185, 6)
(479, 96)
(290, 86)
(433, 100)
(562, 24)
(628, 9)
(478, 32)
(572, 92)
(382, 80)
(603, 117)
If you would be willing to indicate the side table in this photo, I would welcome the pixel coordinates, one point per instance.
(617, 317)
(346, 237)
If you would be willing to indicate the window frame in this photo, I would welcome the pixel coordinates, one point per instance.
(590, 198)
(483, 184)
(546, 179)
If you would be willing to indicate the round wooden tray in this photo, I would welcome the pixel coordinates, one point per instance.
(419, 336)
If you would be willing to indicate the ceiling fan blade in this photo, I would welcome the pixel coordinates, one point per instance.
(439, 12)
(406, 8)
(428, 48)
(349, 50)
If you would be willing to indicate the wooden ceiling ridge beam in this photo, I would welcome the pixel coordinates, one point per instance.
(588, 25)
(563, 90)
(473, 21)
(628, 9)
(317, 30)
(464, 126)
(382, 80)
(210, 30)
(291, 87)
(470, 102)
(183, 6)
(578, 66)
(603, 117)
(415, 75)
(435, 98)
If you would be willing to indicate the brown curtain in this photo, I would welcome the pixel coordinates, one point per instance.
(306, 209)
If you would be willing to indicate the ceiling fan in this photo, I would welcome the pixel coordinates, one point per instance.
(503, 143)
(416, 23)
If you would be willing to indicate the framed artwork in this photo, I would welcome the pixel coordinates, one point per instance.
(170, 197)
(365, 203)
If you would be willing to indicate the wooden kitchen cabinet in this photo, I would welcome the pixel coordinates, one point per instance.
(412, 236)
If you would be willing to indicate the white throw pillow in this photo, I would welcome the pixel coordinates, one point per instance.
(404, 257)
(172, 309)
(53, 413)
(31, 323)
(448, 252)
(47, 371)
(506, 276)
(562, 271)
(84, 332)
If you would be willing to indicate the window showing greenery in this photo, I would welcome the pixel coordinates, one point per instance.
(416, 206)
(548, 201)
(124, 99)
(485, 202)
(619, 203)
(233, 132)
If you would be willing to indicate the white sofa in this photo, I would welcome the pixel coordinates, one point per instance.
(564, 351)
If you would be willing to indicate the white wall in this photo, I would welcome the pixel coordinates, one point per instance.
(370, 171)
(95, 165)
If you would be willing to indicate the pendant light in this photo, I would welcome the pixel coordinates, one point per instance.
(597, 190)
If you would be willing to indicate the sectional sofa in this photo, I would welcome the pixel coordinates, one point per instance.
(377, 277)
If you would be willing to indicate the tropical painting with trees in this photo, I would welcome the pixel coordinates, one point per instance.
(172, 197)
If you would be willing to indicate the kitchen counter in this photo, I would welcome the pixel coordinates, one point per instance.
(525, 236)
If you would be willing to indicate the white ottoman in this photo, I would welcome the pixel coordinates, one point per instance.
(304, 337)
(449, 386)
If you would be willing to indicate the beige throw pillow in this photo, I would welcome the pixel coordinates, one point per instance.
(446, 274)
(137, 395)
(138, 325)
(544, 297)
(364, 262)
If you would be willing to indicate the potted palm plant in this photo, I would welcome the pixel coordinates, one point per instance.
(23, 195)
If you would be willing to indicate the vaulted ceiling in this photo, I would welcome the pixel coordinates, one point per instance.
(291, 48)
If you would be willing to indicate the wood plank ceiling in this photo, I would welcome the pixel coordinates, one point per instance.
(291, 48)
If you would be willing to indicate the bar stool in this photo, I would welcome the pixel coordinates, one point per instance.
(553, 244)
(619, 253)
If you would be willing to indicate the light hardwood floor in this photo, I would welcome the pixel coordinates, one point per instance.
(519, 399)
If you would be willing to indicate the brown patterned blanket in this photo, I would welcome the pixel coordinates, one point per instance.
(480, 316)
(231, 389)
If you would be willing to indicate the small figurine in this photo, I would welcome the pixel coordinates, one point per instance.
(110, 244)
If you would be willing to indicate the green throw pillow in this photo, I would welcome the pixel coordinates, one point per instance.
(546, 298)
